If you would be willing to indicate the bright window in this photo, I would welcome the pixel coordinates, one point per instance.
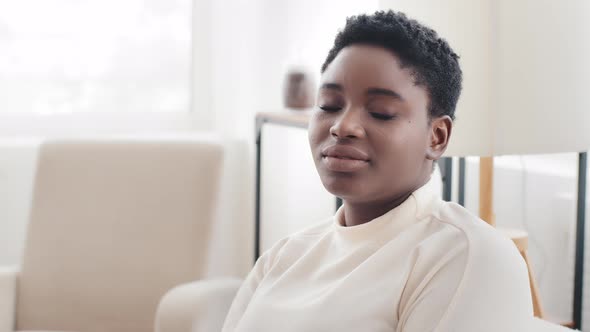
(71, 56)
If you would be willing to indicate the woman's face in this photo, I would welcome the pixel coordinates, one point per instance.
(370, 133)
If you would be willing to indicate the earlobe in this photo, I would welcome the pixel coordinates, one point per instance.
(440, 133)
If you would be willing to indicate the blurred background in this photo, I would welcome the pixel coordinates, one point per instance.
(184, 67)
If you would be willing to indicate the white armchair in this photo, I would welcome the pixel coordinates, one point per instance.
(199, 306)
(114, 225)
(7, 298)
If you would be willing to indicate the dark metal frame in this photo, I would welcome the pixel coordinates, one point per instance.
(580, 239)
(462, 167)
(446, 170)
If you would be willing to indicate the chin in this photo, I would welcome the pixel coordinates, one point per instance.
(344, 186)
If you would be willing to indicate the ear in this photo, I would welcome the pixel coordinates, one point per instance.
(440, 133)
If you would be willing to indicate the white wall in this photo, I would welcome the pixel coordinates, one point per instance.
(248, 50)
(241, 52)
(17, 164)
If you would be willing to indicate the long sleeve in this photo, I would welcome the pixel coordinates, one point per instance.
(481, 287)
(424, 266)
(246, 291)
(244, 294)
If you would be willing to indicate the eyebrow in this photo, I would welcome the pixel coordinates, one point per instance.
(332, 86)
(370, 91)
(384, 92)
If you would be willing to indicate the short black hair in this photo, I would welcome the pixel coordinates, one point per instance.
(434, 64)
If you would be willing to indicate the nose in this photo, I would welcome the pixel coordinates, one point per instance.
(348, 125)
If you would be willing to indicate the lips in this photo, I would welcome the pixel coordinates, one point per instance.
(344, 152)
(344, 158)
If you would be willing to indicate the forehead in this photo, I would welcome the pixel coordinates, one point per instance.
(358, 67)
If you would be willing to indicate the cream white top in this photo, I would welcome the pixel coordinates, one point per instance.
(427, 265)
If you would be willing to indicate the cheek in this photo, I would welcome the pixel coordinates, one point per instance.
(312, 136)
(401, 148)
(317, 131)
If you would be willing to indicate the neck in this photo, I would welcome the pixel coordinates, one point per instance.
(357, 213)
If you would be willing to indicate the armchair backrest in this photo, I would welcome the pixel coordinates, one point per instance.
(114, 225)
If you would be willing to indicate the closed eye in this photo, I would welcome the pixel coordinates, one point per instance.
(380, 116)
(330, 108)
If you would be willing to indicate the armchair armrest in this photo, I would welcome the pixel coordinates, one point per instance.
(8, 278)
(196, 306)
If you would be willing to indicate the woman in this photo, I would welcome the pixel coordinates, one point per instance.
(395, 257)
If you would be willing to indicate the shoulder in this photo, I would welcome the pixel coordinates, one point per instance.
(488, 258)
(467, 269)
(481, 240)
(453, 240)
(479, 254)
